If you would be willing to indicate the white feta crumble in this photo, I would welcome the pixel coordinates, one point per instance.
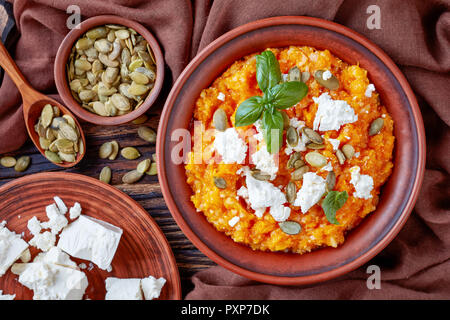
(82, 266)
(123, 289)
(285, 76)
(369, 90)
(233, 221)
(332, 114)
(262, 195)
(43, 241)
(6, 296)
(34, 225)
(91, 239)
(327, 167)
(11, 248)
(61, 205)
(311, 192)
(151, 287)
(56, 256)
(230, 146)
(265, 162)
(357, 154)
(57, 221)
(280, 213)
(334, 143)
(221, 96)
(363, 183)
(243, 192)
(327, 75)
(75, 211)
(258, 126)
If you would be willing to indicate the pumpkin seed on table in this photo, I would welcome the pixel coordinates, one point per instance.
(105, 175)
(143, 166)
(331, 83)
(132, 177)
(153, 170)
(348, 151)
(105, 150)
(220, 182)
(115, 150)
(291, 192)
(130, 153)
(140, 120)
(299, 173)
(290, 227)
(376, 126)
(220, 119)
(22, 163)
(8, 162)
(315, 159)
(147, 134)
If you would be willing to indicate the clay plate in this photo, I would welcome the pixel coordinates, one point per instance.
(397, 196)
(143, 249)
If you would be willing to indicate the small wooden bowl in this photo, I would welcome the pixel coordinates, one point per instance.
(62, 83)
(397, 197)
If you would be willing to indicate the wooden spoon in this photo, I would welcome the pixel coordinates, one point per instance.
(33, 103)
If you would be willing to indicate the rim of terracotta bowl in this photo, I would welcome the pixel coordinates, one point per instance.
(378, 228)
(62, 84)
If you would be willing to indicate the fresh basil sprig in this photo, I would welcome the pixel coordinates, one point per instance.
(332, 203)
(277, 96)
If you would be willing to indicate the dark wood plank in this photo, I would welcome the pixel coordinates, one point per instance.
(146, 192)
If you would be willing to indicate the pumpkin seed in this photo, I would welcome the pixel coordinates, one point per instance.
(220, 119)
(67, 131)
(64, 145)
(299, 163)
(105, 150)
(298, 173)
(46, 115)
(258, 175)
(8, 162)
(312, 135)
(286, 120)
(143, 166)
(305, 76)
(137, 89)
(147, 134)
(348, 151)
(96, 33)
(331, 83)
(139, 78)
(376, 126)
(22, 163)
(220, 182)
(294, 74)
(115, 150)
(153, 169)
(132, 177)
(340, 156)
(292, 159)
(68, 157)
(52, 156)
(315, 146)
(140, 120)
(292, 136)
(290, 227)
(105, 175)
(315, 159)
(330, 180)
(130, 153)
(291, 192)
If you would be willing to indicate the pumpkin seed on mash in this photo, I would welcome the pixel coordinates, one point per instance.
(313, 192)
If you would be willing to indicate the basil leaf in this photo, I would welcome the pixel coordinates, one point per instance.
(332, 203)
(249, 111)
(286, 94)
(273, 129)
(268, 72)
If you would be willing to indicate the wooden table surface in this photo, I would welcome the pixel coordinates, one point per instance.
(146, 192)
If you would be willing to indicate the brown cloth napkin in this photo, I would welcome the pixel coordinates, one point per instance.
(415, 33)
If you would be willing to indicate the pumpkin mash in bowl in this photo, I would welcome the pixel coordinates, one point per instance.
(290, 149)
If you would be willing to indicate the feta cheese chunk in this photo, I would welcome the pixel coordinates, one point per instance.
(230, 146)
(43, 241)
(11, 248)
(34, 225)
(311, 192)
(91, 239)
(61, 205)
(363, 183)
(56, 256)
(75, 211)
(265, 162)
(327, 75)
(56, 222)
(151, 287)
(53, 282)
(332, 114)
(335, 143)
(233, 221)
(221, 96)
(6, 296)
(369, 90)
(123, 289)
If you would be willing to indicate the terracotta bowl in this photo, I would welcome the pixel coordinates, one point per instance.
(397, 196)
(62, 83)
